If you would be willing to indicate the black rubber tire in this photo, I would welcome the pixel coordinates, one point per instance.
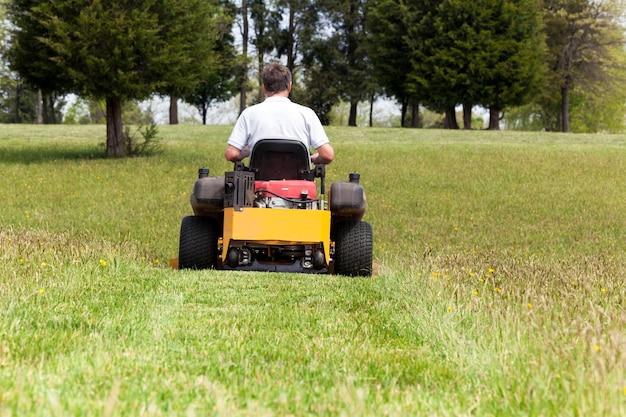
(198, 243)
(353, 248)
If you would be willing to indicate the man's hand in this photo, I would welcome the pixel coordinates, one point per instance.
(324, 155)
(315, 158)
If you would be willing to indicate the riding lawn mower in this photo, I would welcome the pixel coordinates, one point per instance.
(268, 216)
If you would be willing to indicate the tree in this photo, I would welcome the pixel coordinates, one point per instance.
(585, 50)
(355, 84)
(242, 78)
(484, 52)
(427, 52)
(388, 49)
(3, 32)
(510, 69)
(335, 51)
(17, 101)
(266, 34)
(299, 13)
(319, 90)
(217, 82)
(115, 50)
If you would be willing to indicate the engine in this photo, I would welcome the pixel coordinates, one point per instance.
(289, 194)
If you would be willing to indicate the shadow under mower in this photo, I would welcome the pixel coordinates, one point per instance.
(267, 217)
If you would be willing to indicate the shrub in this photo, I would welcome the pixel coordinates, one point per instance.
(143, 141)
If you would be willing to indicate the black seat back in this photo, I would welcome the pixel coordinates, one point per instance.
(280, 159)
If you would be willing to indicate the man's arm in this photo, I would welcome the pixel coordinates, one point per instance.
(234, 154)
(324, 155)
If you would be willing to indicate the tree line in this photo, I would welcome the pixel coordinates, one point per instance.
(555, 65)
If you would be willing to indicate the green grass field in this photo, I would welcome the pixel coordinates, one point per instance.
(499, 287)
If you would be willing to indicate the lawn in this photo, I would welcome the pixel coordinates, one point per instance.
(499, 285)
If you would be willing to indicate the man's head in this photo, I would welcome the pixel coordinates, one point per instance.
(276, 79)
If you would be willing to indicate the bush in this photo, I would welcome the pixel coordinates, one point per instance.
(143, 141)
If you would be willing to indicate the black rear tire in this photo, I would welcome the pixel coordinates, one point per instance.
(198, 243)
(353, 248)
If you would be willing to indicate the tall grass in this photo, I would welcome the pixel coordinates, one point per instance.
(499, 286)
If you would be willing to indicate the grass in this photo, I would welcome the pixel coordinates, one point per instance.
(499, 287)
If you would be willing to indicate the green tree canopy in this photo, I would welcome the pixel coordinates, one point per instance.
(218, 81)
(388, 49)
(586, 57)
(335, 56)
(113, 50)
(484, 52)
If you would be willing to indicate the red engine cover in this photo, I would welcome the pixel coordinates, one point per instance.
(286, 188)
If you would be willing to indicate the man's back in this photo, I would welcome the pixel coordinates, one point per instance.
(277, 118)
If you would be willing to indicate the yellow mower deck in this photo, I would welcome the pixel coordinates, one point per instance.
(277, 227)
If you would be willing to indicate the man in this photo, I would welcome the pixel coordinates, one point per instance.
(278, 118)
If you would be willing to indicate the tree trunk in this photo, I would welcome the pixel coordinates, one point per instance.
(290, 38)
(415, 114)
(18, 99)
(565, 109)
(450, 120)
(244, 54)
(467, 116)
(47, 114)
(405, 105)
(372, 98)
(260, 59)
(173, 110)
(39, 107)
(352, 118)
(494, 118)
(115, 134)
(205, 111)
(51, 114)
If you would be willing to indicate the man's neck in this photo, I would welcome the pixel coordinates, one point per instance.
(284, 93)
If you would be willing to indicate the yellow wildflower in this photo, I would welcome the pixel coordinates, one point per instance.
(103, 262)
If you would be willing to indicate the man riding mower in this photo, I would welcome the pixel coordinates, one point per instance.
(269, 216)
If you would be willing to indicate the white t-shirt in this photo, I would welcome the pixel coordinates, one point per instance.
(277, 118)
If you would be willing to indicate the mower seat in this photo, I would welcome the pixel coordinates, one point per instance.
(280, 159)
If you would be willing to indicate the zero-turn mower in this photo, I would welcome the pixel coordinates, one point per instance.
(268, 216)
